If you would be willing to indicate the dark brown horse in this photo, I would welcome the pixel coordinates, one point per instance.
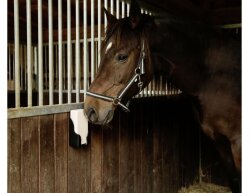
(200, 60)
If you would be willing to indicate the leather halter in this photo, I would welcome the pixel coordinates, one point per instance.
(139, 70)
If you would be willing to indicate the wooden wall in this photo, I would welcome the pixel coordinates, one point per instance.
(153, 149)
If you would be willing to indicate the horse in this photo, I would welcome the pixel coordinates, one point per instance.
(199, 59)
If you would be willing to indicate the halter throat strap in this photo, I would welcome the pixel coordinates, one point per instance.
(139, 71)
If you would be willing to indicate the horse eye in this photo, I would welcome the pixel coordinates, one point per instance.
(122, 57)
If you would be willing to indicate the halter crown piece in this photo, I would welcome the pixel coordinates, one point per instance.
(139, 70)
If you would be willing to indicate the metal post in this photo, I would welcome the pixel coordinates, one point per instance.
(51, 62)
(99, 31)
(60, 57)
(29, 59)
(92, 41)
(105, 19)
(117, 9)
(112, 7)
(69, 49)
(21, 64)
(85, 47)
(123, 9)
(40, 53)
(77, 50)
(128, 7)
(17, 65)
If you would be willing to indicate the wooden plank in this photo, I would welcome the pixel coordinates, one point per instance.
(110, 179)
(96, 158)
(126, 151)
(61, 152)
(29, 155)
(137, 149)
(79, 169)
(47, 154)
(14, 156)
(147, 149)
(158, 126)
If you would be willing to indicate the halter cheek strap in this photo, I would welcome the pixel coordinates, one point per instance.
(139, 71)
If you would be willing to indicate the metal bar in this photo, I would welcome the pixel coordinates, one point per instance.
(64, 66)
(96, 56)
(17, 65)
(105, 19)
(24, 70)
(73, 41)
(230, 26)
(112, 7)
(29, 59)
(77, 50)
(99, 32)
(22, 66)
(123, 9)
(128, 6)
(117, 9)
(60, 57)
(85, 47)
(51, 62)
(42, 110)
(46, 66)
(40, 53)
(69, 49)
(55, 49)
(35, 86)
(92, 40)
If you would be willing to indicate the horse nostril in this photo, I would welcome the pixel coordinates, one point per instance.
(91, 114)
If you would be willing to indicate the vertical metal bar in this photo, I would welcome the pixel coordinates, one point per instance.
(105, 19)
(112, 7)
(96, 56)
(123, 9)
(92, 41)
(85, 47)
(24, 69)
(128, 6)
(69, 49)
(99, 31)
(51, 62)
(60, 57)
(21, 64)
(17, 65)
(117, 9)
(77, 50)
(35, 68)
(29, 60)
(63, 65)
(55, 49)
(40, 53)
(47, 66)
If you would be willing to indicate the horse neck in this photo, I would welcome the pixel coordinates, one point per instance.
(177, 54)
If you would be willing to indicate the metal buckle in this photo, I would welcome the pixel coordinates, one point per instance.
(116, 101)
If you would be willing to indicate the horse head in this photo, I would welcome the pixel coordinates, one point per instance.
(125, 65)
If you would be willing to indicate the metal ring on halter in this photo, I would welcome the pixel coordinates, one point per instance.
(116, 101)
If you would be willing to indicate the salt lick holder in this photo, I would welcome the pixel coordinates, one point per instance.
(78, 128)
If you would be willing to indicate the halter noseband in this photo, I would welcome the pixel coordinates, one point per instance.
(139, 70)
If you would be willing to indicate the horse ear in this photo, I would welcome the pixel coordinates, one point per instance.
(134, 13)
(110, 18)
